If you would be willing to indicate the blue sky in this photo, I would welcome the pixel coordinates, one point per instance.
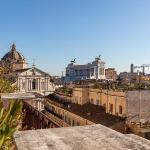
(54, 31)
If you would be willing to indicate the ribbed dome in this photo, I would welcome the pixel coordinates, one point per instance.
(13, 56)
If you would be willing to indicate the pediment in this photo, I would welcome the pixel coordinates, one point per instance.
(34, 71)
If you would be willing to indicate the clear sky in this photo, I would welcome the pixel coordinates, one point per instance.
(55, 31)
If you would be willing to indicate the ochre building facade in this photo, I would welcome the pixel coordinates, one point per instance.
(114, 102)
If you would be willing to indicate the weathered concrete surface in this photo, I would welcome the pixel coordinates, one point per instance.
(6, 97)
(94, 137)
(26, 96)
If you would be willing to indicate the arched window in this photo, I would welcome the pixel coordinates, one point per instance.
(34, 84)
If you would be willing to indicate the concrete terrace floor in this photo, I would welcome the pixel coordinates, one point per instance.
(94, 137)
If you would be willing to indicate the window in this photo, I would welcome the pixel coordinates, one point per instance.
(33, 84)
(120, 109)
(73, 123)
(92, 72)
(104, 106)
(97, 102)
(80, 100)
(111, 108)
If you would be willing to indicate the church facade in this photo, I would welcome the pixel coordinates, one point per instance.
(27, 80)
(34, 80)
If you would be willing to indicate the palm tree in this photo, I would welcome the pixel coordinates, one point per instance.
(9, 117)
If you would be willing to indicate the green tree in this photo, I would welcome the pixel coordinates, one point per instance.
(10, 116)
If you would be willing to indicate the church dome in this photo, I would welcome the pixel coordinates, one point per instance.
(13, 56)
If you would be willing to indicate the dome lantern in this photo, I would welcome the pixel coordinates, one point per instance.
(13, 47)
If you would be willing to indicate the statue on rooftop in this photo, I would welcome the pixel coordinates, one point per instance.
(73, 61)
(99, 56)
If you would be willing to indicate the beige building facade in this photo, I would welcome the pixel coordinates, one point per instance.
(80, 95)
(114, 102)
(131, 104)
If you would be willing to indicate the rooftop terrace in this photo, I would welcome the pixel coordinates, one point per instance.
(94, 137)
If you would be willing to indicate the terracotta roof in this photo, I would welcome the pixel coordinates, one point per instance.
(97, 113)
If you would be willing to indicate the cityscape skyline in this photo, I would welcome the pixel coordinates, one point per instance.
(119, 31)
(75, 74)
